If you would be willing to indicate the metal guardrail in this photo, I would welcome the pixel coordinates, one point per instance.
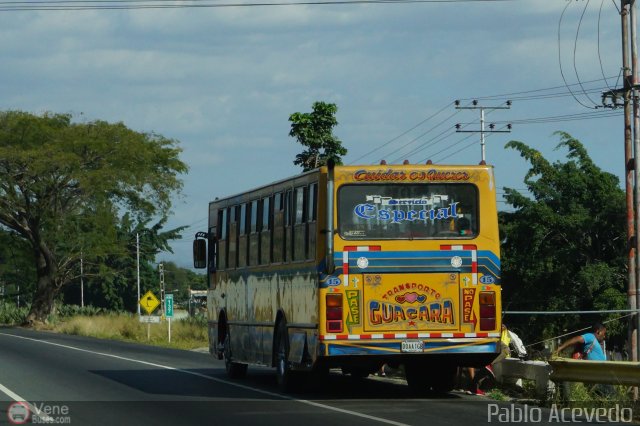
(568, 370)
(607, 372)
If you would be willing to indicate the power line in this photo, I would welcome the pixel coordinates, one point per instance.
(599, 56)
(565, 117)
(533, 94)
(400, 135)
(608, 311)
(512, 95)
(575, 50)
(434, 140)
(560, 57)
(79, 5)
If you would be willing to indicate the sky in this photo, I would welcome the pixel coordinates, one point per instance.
(223, 79)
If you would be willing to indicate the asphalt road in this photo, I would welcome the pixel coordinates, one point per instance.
(84, 381)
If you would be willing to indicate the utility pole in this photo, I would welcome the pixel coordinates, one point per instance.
(138, 268)
(81, 281)
(161, 268)
(482, 131)
(636, 150)
(622, 98)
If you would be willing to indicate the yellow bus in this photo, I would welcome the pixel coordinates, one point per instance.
(354, 267)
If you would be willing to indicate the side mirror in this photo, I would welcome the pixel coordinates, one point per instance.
(199, 253)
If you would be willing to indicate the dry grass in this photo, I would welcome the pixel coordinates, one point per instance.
(185, 334)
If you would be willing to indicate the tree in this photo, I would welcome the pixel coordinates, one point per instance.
(111, 280)
(180, 280)
(64, 184)
(17, 273)
(564, 245)
(314, 130)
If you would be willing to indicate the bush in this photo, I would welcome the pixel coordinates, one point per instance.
(10, 314)
(185, 334)
(66, 311)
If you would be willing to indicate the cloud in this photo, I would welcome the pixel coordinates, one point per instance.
(224, 81)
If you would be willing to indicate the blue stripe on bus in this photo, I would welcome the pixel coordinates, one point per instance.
(420, 261)
(383, 348)
(409, 256)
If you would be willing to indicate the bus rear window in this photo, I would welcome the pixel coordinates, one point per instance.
(408, 211)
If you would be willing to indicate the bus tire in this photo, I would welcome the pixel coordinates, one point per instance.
(235, 370)
(284, 374)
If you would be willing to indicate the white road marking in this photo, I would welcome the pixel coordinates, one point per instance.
(226, 382)
(18, 398)
(11, 394)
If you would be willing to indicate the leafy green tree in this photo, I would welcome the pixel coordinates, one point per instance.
(564, 245)
(64, 184)
(111, 279)
(180, 280)
(17, 272)
(314, 131)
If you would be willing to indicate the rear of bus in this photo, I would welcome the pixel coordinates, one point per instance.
(414, 251)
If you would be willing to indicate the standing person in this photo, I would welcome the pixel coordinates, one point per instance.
(592, 349)
(593, 346)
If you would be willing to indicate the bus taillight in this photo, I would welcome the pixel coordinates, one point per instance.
(334, 313)
(487, 310)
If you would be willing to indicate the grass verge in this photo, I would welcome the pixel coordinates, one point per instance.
(185, 334)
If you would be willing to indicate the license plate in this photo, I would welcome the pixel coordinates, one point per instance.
(412, 346)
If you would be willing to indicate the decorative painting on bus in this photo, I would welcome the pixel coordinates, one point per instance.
(416, 302)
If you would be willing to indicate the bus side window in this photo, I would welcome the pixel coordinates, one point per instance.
(288, 227)
(242, 236)
(312, 216)
(254, 236)
(223, 238)
(233, 237)
(278, 228)
(299, 223)
(212, 246)
(265, 232)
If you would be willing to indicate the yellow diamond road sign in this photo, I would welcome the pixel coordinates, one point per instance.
(149, 302)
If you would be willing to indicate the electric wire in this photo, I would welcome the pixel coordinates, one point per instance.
(512, 94)
(436, 139)
(575, 50)
(80, 5)
(560, 57)
(400, 135)
(577, 331)
(447, 148)
(537, 120)
(440, 160)
(598, 45)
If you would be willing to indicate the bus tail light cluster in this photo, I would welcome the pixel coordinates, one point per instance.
(334, 313)
(487, 310)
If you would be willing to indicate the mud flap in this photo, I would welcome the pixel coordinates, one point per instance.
(297, 341)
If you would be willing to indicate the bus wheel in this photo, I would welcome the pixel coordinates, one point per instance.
(284, 374)
(235, 370)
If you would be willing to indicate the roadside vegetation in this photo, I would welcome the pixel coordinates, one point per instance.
(188, 333)
(567, 395)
